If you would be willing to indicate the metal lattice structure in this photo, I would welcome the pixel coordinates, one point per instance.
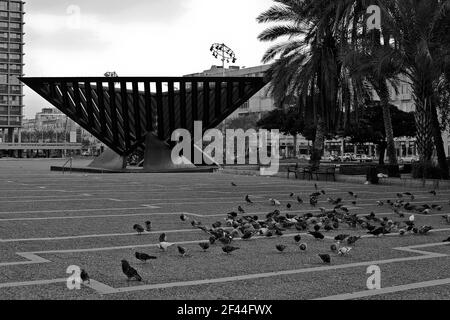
(121, 111)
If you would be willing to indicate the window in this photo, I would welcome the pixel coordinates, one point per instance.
(13, 80)
(3, 46)
(3, 5)
(15, 15)
(3, 24)
(15, 57)
(3, 56)
(14, 6)
(15, 25)
(14, 46)
(3, 14)
(16, 89)
(15, 101)
(15, 36)
(13, 66)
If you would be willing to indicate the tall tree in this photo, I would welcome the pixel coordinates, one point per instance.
(421, 31)
(307, 64)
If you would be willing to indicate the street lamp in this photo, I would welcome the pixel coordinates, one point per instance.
(224, 53)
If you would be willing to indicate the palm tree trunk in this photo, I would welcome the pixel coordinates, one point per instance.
(439, 143)
(295, 145)
(424, 131)
(319, 142)
(384, 97)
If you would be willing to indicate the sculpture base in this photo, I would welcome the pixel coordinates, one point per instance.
(158, 157)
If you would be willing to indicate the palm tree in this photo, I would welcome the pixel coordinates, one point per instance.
(307, 64)
(421, 31)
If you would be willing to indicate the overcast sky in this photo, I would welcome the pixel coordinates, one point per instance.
(135, 37)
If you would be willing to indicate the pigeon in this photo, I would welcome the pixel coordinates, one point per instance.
(298, 238)
(84, 276)
(247, 199)
(303, 246)
(164, 246)
(315, 186)
(233, 184)
(225, 240)
(138, 228)
(212, 240)
(289, 206)
(352, 194)
(325, 258)
(317, 228)
(183, 218)
(334, 248)
(217, 225)
(292, 195)
(144, 257)
(434, 193)
(148, 226)
(341, 237)
(232, 215)
(247, 235)
(299, 200)
(344, 251)
(313, 201)
(317, 235)
(323, 192)
(182, 251)
(275, 202)
(447, 240)
(130, 272)
(204, 246)
(241, 210)
(447, 218)
(425, 229)
(281, 247)
(377, 232)
(163, 238)
(380, 203)
(353, 240)
(229, 249)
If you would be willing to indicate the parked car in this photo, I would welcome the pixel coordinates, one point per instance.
(346, 157)
(86, 154)
(332, 158)
(306, 157)
(363, 158)
(409, 159)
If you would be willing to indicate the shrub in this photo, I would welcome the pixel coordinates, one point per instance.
(431, 171)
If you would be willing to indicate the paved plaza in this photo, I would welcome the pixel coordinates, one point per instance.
(50, 221)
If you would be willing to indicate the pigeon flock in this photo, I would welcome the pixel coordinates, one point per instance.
(237, 226)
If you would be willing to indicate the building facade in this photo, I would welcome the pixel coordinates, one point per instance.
(11, 68)
(262, 103)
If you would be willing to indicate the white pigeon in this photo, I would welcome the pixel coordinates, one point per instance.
(412, 218)
(263, 231)
(344, 251)
(275, 202)
(164, 245)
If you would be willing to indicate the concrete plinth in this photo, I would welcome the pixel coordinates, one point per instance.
(109, 160)
(158, 156)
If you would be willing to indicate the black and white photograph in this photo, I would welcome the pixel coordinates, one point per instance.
(224, 156)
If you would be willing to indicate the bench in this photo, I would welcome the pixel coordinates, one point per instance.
(326, 171)
(310, 172)
(297, 170)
